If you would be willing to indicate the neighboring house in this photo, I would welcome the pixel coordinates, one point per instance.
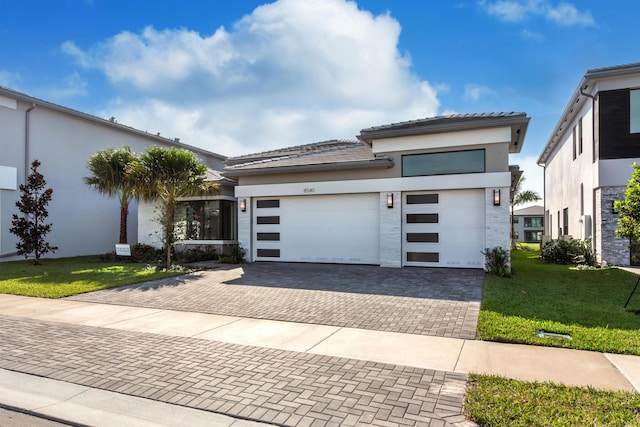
(528, 224)
(587, 160)
(62, 139)
(430, 192)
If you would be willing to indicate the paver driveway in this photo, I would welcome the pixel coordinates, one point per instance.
(438, 302)
(285, 388)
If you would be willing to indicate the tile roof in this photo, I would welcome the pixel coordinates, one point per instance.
(451, 119)
(535, 210)
(320, 153)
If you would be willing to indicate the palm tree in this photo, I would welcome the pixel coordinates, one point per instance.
(109, 169)
(519, 197)
(166, 175)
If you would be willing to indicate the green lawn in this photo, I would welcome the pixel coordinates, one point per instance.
(496, 401)
(61, 277)
(586, 304)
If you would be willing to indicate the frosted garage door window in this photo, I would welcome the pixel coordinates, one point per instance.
(634, 111)
(454, 162)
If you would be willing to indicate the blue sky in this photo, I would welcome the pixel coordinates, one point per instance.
(237, 77)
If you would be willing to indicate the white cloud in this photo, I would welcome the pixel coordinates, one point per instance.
(72, 85)
(9, 79)
(291, 72)
(532, 35)
(473, 92)
(565, 14)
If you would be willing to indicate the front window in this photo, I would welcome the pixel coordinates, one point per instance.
(533, 222)
(206, 220)
(453, 162)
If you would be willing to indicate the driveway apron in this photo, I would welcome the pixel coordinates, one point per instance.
(282, 387)
(437, 302)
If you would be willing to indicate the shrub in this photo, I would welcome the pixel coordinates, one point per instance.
(141, 252)
(233, 254)
(200, 253)
(568, 252)
(496, 261)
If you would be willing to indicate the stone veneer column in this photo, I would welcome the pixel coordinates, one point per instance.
(244, 228)
(608, 246)
(496, 218)
(391, 230)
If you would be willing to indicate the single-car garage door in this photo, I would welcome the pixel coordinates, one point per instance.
(317, 228)
(444, 229)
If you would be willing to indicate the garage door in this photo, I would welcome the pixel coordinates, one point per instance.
(444, 229)
(333, 229)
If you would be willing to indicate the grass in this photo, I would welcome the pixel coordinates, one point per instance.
(586, 304)
(61, 277)
(497, 401)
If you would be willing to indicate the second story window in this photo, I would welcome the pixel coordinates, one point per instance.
(452, 162)
(533, 222)
(634, 111)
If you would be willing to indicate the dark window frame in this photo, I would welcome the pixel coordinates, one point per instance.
(197, 221)
(441, 153)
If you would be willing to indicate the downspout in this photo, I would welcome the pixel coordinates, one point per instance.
(26, 142)
(593, 160)
(26, 161)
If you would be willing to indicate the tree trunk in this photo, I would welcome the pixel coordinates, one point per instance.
(124, 212)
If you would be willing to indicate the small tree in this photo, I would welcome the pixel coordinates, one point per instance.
(629, 208)
(109, 175)
(167, 174)
(30, 228)
(519, 197)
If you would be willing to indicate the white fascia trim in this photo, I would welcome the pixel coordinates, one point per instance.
(418, 183)
(443, 140)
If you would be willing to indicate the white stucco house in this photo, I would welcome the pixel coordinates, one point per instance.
(63, 139)
(432, 192)
(528, 224)
(587, 160)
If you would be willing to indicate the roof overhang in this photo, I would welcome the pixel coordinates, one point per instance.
(377, 163)
(517, 122)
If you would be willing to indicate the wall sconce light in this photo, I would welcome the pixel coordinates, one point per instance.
(243, 205)
(496, 197)
(389, 200)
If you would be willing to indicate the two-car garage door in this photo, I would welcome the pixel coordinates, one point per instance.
(318, 228)
(438, 229)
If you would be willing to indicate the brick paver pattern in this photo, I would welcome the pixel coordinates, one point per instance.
(276, 386)
(423, 301)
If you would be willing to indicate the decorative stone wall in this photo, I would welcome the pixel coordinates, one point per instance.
(497, 220)
(391, 231)
(244, 229)
(608, 246)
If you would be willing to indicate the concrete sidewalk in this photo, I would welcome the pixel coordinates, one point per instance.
(532, 363)
(571, 367)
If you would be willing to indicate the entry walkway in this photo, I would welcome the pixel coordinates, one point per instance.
(278, 372)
